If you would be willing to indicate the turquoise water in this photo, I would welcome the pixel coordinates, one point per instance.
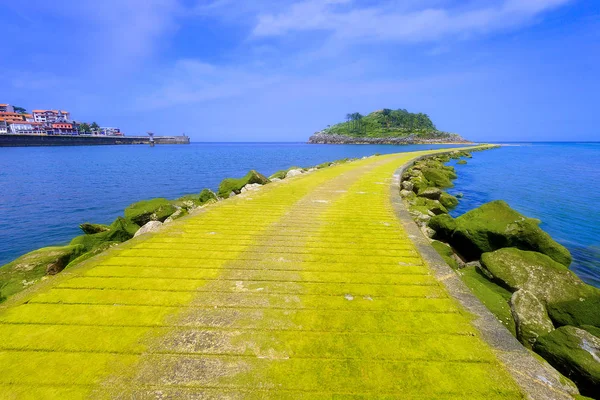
(46, 192)
(557, 183)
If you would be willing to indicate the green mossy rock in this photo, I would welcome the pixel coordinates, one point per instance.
(85, 256)
(574, 352)
(568, 300)
(25, 270)
(145, 211)
(191, 201)
(462, 162)
(444, 225)
(235, 185)
(439, 177)
(448, 200)
(432, 205)
(324, 165)
(494, 226)
(446, 253)
(119, 231)
(419, 183)
(432, 193)
(282, 173)
(90, 229)
(494, 297)
(531, 318)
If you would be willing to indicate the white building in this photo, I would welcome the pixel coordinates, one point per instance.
(27, 128)
(7, 108)
(50, 116)
(3, 128)
(110, 131)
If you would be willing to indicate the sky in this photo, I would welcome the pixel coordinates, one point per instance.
(280, 70)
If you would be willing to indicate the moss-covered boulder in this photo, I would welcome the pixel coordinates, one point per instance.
(324, 165)
(531, 317)
(432, 193)
(462, 162)
(493, 296)
(145, 211)
(419, 183)
(568, 300)
(446, 253)
(444, 225)
(439, 177)
(495, 225)
(27, 269)
(432, 205)
(448, 200)
(235, 185)
(90, 229)
(119, 231)
(575, 352)
(191, 201)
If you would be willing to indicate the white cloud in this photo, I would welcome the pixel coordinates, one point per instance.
(388, 23)
(193, 81)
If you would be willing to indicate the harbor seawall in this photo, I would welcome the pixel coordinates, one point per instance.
(49, 140)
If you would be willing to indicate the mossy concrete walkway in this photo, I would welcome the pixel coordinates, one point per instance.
(308, 288)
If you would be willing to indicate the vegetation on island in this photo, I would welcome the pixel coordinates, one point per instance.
(386, 123)
(515, 269)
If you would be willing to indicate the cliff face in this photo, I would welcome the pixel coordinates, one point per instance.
(326, 138)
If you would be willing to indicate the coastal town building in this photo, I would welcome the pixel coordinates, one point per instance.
(50, 115)
(108, 131)
(46, 122)
(27, 128)
(6, 108)
(11, 116)
(61, 128)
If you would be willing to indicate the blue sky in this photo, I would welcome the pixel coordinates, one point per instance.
(279, 70)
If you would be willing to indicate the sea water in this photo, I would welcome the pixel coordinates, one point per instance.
(46, 192)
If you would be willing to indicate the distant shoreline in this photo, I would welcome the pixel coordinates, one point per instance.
(326, 138)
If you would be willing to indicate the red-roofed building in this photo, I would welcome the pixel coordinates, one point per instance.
(50, 115)
(11, 116)
(61, 128)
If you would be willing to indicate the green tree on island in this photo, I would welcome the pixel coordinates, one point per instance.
(95, 127)
(386, 123)
(85, 127)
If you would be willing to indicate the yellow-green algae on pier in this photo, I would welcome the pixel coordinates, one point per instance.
(307, 288)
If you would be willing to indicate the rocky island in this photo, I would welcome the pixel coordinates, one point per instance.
(385, 127)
